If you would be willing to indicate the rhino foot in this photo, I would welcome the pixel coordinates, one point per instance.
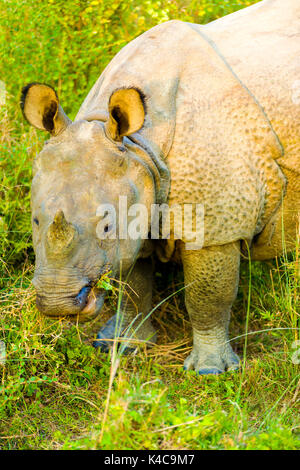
(105, 337)
(106, 333)
(207, 360)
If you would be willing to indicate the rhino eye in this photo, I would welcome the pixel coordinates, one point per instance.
(108, 228)
(36, 221)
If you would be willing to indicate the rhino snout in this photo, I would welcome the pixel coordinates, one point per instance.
(87, 303)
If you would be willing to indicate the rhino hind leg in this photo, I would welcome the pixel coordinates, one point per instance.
(211, 276)
(132, 323)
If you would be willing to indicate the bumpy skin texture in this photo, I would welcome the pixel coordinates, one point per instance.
(267, 62)
(221, 129)
(211, 278)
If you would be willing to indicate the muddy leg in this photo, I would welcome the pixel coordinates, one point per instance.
(212, 275)
(135, 302)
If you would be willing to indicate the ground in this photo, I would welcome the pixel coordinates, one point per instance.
(56, 391)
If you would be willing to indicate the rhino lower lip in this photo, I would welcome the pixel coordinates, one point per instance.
(92, 308)
(90, 304)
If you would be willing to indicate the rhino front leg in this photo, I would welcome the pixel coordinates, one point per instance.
(135, 305)
(211, 275)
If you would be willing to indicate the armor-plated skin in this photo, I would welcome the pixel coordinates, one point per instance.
(220, 128)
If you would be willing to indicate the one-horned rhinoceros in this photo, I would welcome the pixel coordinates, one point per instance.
(184, 114)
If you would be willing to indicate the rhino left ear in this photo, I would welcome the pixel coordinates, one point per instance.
(126, 113)
(41, 108)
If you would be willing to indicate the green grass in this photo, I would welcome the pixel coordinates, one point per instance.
(56, 391)
(55, 385)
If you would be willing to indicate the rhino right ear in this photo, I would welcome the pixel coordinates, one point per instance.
(41, 108)
(126, 113)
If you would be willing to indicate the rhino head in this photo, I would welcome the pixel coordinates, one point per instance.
(85, 165)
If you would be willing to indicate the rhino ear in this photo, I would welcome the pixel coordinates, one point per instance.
(126, 113)
(41, 108)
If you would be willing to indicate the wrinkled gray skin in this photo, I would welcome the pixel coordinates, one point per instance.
(219, 125)
(64, 180)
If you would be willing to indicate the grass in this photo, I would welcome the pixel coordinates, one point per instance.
(56, 390)
(55, 385)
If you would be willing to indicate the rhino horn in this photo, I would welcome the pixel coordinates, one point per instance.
(61, 234)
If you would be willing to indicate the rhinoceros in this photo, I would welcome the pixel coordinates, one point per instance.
(183, 114)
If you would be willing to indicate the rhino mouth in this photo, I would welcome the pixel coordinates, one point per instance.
(88, 304)
(93, 304)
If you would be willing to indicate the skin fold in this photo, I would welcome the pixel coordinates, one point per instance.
(183, 114)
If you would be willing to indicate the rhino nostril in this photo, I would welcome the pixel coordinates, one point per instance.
(82, 297)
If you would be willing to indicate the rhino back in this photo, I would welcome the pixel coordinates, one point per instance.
(220, 146)
(262, 46)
